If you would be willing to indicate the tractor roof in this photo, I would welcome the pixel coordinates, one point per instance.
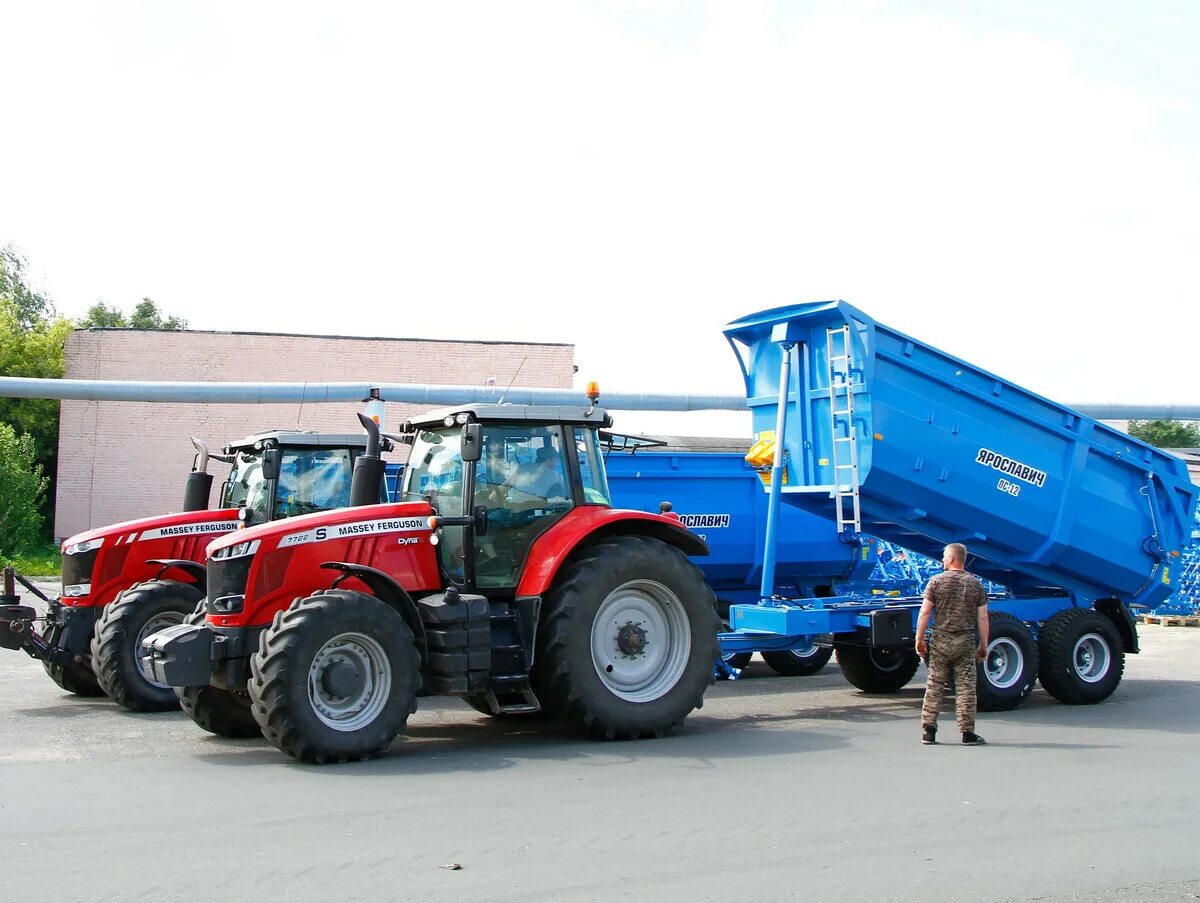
(515, 413)
(299, 438)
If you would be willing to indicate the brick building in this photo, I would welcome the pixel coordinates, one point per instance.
(122, 460)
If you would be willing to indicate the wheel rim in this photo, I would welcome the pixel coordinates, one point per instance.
(1004, 664)
(806, 653)
(885, 661)
(641, 641)
(1091, 658)
(349, 681)
(151, 627)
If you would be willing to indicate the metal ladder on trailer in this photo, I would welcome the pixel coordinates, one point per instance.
(844, 448)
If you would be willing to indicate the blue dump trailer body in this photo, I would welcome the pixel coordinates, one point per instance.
(719, 496)
(1046, 498)
(897, 439)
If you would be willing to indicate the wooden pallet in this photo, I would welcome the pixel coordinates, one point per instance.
(1171, 620)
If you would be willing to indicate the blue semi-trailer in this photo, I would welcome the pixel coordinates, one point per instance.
(888, 436)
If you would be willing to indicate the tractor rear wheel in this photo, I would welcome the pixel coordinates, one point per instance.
(77, 675)
(1080, 657)
(1008, 672)
(627, 641)
(876, 670)
(799, 662)
(335, 677)
(138, 612)
(218, 711)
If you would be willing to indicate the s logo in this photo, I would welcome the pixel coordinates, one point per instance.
(322, 533)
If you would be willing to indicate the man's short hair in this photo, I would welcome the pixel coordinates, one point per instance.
(956, 551)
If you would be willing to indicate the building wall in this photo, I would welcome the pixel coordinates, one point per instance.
(123, 460)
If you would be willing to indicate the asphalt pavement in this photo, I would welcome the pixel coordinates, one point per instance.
(779, 788)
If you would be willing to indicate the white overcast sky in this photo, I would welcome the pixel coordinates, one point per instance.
(1015, 183)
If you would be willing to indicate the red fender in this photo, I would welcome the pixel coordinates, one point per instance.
(590, 522)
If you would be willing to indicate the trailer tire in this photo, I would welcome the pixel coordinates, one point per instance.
(1007, 675)
(1080, 657)
(799, 662)
(218, 711)
(334, 646)
(875, 670)
(608, 679)
(137, 612)
(77, 675)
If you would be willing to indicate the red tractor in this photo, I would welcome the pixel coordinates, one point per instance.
(502, 575)
(124, 582)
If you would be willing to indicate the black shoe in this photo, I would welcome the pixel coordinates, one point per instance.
(972, 739)
(929, 737)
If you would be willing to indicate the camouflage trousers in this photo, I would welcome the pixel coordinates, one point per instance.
(951, 653)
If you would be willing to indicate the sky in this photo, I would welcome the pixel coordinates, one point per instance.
(1015, 183)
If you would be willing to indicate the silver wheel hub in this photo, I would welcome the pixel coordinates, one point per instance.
(151, 627)
(641, 641)
(1004, 663)
(349, 681)
(1091, 658)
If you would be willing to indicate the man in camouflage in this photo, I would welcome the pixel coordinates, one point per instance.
(957, 603)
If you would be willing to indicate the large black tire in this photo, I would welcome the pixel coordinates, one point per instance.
(875, 670)
(136, 613)
(642, 694)
(1080, 657)
(76, 676)
(799, 662)
(218, 711)
(282, 694)
(1006, 676)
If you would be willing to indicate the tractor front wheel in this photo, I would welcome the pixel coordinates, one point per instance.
(627, 641)
(218, 711)
(138, 612)
(335, 677)
(76, 676)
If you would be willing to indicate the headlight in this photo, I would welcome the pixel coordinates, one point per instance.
(448, 420)
(79, 548)
(77, 589)
(238, 550)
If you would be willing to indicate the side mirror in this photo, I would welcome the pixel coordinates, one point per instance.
(472, 442)
(270, 463)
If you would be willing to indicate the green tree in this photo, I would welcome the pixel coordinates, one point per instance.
(22, 490)
(145, 315)
(100, 315)
(1166, 433)
(27, 306)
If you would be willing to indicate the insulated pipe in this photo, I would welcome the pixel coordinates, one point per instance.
(324, 393)
(767, 589)
(425, 394)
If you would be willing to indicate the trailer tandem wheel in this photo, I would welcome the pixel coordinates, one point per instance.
(877, 670)
(335, 677)
(77, 675)
(217, 711)
(1080, 657)
(139, 611)
(799, 662)
(1008, 672)
(627, 641)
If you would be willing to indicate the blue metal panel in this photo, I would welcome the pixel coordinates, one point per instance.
(721, 498)
(1043, 496)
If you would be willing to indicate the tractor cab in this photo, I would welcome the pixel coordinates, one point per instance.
(498, 476)
(285, 473)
